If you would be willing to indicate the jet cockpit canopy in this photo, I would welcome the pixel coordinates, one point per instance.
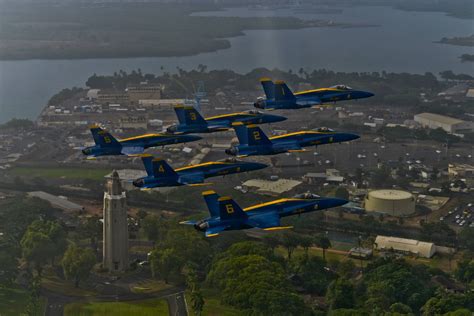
(254, 112)
(307, 195)
(324, 129)
(341, 87)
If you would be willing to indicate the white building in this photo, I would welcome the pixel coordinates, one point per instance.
(449, 124)
(419, 248)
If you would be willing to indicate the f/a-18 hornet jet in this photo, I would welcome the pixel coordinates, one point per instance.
(191, 121)
(160, 173)
(225, 214)
(107, 145)
(253, 141)
(279, 96)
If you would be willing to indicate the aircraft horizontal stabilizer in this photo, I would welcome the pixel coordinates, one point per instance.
(188, 222)
(278, 228)
(214, 231)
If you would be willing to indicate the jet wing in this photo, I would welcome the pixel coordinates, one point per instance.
(192, 179)
(214, 231)
(132, 150)
(270, 221)
(218, 128)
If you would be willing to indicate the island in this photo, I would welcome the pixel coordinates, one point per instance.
(458, 41)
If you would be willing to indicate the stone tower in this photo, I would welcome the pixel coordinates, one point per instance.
(115, 248)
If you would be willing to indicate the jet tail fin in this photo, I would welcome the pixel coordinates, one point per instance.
(250, 134)
(228, 209)
(282, 92)
(103, 138)
(268, 88)
(211, 198)
(157, 167)
(188, 115)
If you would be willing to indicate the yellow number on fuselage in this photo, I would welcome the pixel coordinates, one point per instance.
(161, 169)
(192, 115)
(256, 135)
(107, 139)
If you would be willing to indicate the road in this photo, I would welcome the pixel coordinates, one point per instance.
(174, 297)
(177, 304)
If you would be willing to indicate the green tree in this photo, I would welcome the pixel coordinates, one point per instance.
(324, 243)
(37, 249)
(77, 263)
(340, 294)
(314, 275)
(54, 231)
(399, 308)
(164, 262)
(151, 227)
(466, 238)
(91, 228)
(290, 240)
(8, 263)
(197, 301)
(465, 271)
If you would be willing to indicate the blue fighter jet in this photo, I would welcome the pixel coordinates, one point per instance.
(107, 145)
(253, 141)
(279, 96)
(225, 214)
(160, 173)
(190, 121)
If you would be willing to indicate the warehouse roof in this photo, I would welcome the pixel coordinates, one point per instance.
(421, 248)
(278, 187)
(56, 201)
(439, 118)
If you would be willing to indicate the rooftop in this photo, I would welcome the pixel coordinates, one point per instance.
(439, 118)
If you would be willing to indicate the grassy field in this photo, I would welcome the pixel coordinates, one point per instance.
(13, 301)
(53, 283)
(151, 307)
(149, 286)
(212, 305)
(67, 173)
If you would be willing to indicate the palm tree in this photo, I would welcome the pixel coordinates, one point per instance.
(324, 243)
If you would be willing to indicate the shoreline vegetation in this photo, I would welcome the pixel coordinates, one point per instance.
(127, 30)
(458, 41)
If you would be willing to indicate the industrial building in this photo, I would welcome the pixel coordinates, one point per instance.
(143, 92)
(273, 188)
(449, 124)
(390, 202)
(419, 248)
(461, 170)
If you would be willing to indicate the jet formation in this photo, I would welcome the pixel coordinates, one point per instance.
(226, 214)
(253, 141)
(280, 97)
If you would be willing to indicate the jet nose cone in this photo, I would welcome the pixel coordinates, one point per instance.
(353, 136)
(259, 165)
(193, 137)
(278, 118)
(366, 94)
